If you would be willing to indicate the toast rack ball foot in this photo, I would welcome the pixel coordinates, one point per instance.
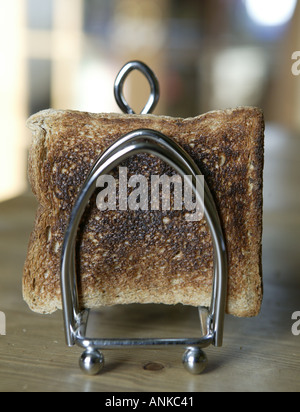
(194, 360)
(91, 362)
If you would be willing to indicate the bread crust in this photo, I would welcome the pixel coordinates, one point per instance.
(154, 256)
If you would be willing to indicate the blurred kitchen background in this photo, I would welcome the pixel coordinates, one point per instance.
(207, 54)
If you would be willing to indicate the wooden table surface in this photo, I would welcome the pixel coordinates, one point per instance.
(259, 354)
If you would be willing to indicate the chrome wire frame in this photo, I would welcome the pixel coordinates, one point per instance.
(212, 319)
(154, 143)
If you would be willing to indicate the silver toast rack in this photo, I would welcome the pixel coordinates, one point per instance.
(154, 143)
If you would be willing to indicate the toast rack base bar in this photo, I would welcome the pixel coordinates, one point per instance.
(154, 143)
(102, 344)
(204, 341)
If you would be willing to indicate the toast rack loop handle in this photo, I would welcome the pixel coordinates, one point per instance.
(119, 85)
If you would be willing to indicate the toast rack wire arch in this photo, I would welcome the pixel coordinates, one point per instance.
(75, 319)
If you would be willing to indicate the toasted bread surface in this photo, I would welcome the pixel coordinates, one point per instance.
(140, 256)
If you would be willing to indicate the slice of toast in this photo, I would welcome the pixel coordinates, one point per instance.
(146, 256)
